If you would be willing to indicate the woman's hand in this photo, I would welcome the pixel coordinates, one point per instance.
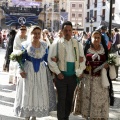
(106, 66)
(23, 74)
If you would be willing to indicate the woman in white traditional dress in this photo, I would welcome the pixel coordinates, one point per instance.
(20, 37)
(38, 95)
(95, 91)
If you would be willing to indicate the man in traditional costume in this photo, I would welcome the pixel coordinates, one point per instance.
(68, 68)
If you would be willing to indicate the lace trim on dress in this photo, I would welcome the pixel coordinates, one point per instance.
(101, 51)
(35, 108)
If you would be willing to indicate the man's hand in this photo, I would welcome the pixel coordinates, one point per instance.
(55, 59)
(23, 74)
(60, 76)
(81, 59)
(81, 76)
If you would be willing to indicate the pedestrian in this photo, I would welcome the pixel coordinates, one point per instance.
(116, 46)
(95, 94)
(9, 49)
(0, 38)
(38, 95)
(68, 51)
(103, 30)
(46, 36)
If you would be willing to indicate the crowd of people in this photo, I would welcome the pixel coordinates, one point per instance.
(65, 61)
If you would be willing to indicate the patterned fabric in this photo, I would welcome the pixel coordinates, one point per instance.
(76, 106)
(95, 98)
(91, 99)
(51, 92)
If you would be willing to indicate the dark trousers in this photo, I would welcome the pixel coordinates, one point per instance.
(65, 90)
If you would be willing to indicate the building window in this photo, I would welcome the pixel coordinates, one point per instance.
(103, 15)
(79, 15)
(87, 18)
(95, 3)
(87, 29)
(73, 14)
(94, 28)
(95, 15)
(113, 10)
(73, 5)
(80, 5)
(103, 3)
(112, 17)
(88, 4)
(113, 1)
(56, 7)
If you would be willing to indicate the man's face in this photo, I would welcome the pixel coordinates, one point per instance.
(67, 32)
(103, 30)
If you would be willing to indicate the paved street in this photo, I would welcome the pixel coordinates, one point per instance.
(7, 95)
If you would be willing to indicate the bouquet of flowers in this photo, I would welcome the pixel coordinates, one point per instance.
(17, 57)
(112, 60)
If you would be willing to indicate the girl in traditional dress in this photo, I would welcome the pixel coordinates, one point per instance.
(38, 95)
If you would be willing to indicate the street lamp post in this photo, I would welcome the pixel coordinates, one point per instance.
(52, 16)
(91, 23)
(110, 17)
(45, 15)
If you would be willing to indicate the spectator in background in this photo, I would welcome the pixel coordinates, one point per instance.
(9, 49)
(0, 38)
(19, 38)
(103, 30)
(46, 37)
(116, 45)
(110, 40)
(116, 37)
(84, 38)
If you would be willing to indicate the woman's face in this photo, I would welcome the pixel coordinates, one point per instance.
(23, 30)
(36, 34)
(96, 39)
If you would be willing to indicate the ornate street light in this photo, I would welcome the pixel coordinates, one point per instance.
(91, 23)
